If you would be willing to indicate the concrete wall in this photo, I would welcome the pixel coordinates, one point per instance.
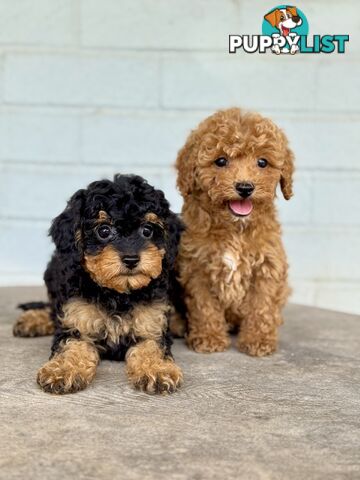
(90, 87)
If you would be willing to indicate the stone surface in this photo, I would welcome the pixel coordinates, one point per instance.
(293, 415)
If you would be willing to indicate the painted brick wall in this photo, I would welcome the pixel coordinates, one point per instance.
(90, 87)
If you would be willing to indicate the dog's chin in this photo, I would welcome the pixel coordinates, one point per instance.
(130, 281)
(241, 208)
(125, 282)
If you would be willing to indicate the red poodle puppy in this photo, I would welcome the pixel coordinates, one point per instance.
(232, 264)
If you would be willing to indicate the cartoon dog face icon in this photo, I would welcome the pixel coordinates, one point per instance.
(284, 19)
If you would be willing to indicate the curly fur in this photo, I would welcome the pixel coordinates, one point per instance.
(98, 305)
(34, 322)
(233, 269)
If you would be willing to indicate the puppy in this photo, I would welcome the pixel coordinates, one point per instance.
(284, 19)
(108, 285)
(232, 264)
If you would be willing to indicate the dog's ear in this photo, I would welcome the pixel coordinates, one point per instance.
(286, 179)
(186, 167)
(66, 230)
(292, 10)
(175, 227)
(273, 17)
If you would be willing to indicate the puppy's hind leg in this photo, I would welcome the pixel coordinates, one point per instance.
(34, 321)
(177, 325)
(71, 369)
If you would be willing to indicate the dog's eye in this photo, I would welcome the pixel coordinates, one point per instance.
(262, 163)
(282, 18)
(104, 232)
(147, 231)
(221, 162)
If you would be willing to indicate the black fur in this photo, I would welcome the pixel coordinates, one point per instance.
(126, 199)
(33, 306)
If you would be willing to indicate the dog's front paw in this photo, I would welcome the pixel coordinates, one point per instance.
(257, 346)
(276, 49)
(208, 343)
(56, 378)
(165, 377)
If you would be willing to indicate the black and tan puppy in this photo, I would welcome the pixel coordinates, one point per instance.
(108, 284)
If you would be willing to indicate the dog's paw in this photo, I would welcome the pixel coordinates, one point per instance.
(54, 377)
(259, 346)
(34, 323)
(276, 49)
(209, 343)
(162, 378)
(177, 325)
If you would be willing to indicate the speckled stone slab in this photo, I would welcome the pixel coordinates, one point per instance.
(295, 415)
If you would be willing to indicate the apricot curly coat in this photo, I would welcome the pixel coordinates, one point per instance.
(233, 268)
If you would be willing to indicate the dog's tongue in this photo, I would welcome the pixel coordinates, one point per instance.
(241, 207)
(285, 31)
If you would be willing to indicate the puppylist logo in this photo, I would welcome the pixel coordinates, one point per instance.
(285, 30)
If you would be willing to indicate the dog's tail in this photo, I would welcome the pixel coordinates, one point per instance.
(33, 306)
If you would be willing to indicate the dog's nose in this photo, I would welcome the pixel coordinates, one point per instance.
(130, 261)
(296, 18)
(244, 189)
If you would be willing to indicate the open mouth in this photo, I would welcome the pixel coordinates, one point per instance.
(285, 31)
(242, 207)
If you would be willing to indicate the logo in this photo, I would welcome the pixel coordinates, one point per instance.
(285, 30)
(285, 21)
